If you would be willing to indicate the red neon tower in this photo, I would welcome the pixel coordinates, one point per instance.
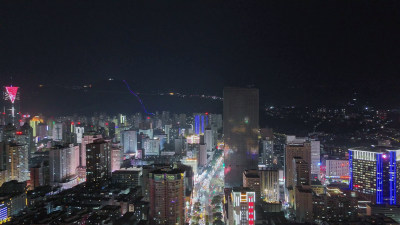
(11, 109)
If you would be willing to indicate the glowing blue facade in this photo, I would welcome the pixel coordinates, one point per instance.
(373, 171)
(392, 178)
(200, 123)
(379, 182)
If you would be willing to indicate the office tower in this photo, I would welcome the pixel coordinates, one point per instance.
(240, 133)
(147, 132)
(151, 147)
(202, 155)
(241, 206)
(127, 177)
(98, 162)
(200, 122)
(303, 205)
(251, 179)
(180, 145)
(63, 161)
(295, 149)
(301, 172)
(269, 181)
(87, 139)
(374, 173)
(24, 137)
(17, 163)
(116, 158)
(340, 205)
(58, 130)
(268, 157)
(167, 196)
(13, 199)
(215, 121)
(209, 139)
(167, 132)
(11, 110)
(129, 141)
(79, 131)
(36, 176)
(336, 168)
(162, 138)
(34, 122)
(315, 159)
(41, 131)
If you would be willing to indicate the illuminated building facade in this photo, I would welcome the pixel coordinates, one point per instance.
(251, 179)
(98, 161)
(200, 123)
(315, 159)
(151, 147)
(269, 181)
(241, 206)
(63, 162)
(13, 199)
(17, 163)
(129, 141)
(167, 192)
(374, 173)
(268, 158)
(209, 139)
(58, 129)
(241, 116)
(336, 168)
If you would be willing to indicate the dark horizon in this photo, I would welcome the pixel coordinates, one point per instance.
(296, 53)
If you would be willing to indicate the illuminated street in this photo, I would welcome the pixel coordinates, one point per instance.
(208, 185)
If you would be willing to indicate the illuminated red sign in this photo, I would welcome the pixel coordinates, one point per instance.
(251, 212)
(18, 133)
(12, 93)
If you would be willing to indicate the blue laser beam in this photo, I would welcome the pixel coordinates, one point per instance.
(138, 98)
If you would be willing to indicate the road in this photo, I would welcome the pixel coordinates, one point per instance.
(204, 191)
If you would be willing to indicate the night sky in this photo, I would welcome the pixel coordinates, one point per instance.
(296, 52)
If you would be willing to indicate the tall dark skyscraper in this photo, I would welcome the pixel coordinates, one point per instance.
(240, 133)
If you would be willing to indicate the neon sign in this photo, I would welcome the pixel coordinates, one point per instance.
(12, 93)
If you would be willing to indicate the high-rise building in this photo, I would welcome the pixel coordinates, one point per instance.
(11, 110)
(269, 180)
(79, 131)
(251, 179)
(268, 158)
(200, 122)
(241, 205)
(151, 147)
(167, 192)
(202, 155)
(41, 131)
(336, 168)
(129, 141)
(301, 172)
(127, 177)
(295, 149)
(87, 139)
(63, 161)
(241, 118)
(17, 164)
(58, 129)
(209, 139)
(303, 204)
(374, 173)
(315, 159)
(98, 162)
(115, 159)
